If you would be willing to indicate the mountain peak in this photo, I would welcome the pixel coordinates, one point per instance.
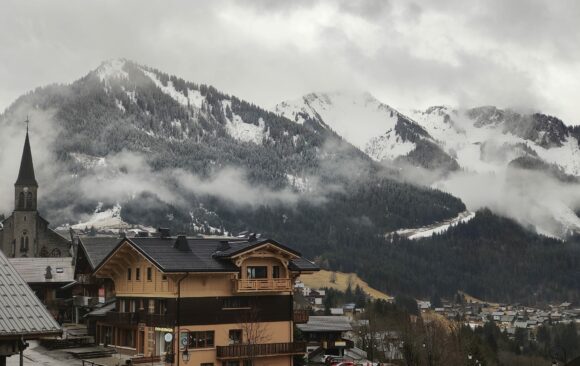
(112, 69)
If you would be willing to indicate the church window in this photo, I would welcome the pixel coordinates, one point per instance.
(29, 200)
(23, 244)
(21, 200)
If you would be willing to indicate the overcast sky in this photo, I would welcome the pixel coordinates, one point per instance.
(522, 54)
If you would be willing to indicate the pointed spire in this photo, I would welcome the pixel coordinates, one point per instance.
(26, 174)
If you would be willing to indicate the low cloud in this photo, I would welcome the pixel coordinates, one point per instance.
(534, 199)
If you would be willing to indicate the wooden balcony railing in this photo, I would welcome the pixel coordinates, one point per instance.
(263, 285)
(300, 316)
(238, 351)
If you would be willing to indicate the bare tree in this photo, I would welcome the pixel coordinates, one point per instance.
(254, 333)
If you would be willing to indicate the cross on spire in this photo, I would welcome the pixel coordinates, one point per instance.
(27, 122)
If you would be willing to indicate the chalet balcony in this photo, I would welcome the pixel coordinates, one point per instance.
(263, 285)
(239, 351)
(300, 316)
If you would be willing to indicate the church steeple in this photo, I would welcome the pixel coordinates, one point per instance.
(26, 187)
(26, 174)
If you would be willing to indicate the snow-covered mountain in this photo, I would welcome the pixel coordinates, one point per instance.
(375, 128)
(481, 151)
(478, 139)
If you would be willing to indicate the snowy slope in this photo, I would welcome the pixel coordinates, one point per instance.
(359, 118)
(487, 147)
(437, 228)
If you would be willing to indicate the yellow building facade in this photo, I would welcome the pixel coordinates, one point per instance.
(202, 301)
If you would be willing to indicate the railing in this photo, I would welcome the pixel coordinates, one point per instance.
(237, 351)
(261, 285)
(300, 316)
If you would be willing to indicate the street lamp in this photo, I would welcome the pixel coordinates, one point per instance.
(185, 355)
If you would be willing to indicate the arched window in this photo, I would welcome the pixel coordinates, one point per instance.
(26, 243)
(43, 251)
(22, 247)
(29, 200)
(21, 200)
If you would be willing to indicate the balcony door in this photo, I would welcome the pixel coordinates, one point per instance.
(257, 272)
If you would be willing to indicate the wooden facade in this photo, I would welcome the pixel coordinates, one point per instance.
(232, 316)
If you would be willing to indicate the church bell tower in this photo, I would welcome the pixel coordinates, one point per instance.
(25, 213)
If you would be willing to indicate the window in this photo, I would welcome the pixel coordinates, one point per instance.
(257, 272)
(276, 272)
(21, 200)
(235, 336)
(149, 274)
(128, 274)
(164, 277)
(233, 302)
(161, 306)
(203, 339)
(29, 200)
(137, 274)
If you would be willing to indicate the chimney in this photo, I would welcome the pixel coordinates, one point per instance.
(181, 244)
(224, 245)
(164, 232)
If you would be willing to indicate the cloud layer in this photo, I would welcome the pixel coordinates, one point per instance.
(518, 53)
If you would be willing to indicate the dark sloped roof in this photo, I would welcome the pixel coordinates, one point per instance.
(21, 312)
(237, 247)
(98, 248)
(26, 173)
(200, 259)
(196, 255)
(302, 264)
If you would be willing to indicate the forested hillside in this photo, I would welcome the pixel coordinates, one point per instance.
(490, 257)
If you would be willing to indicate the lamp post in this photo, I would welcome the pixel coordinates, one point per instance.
(185, 355)
(429, 355)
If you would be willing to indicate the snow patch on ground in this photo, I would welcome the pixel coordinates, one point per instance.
(241, 131)
(437, 228)
(300, 183)
(193, 98)
(120, 105)
(109, 219)
(89, 161)
(112, 69)
(388, 147)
